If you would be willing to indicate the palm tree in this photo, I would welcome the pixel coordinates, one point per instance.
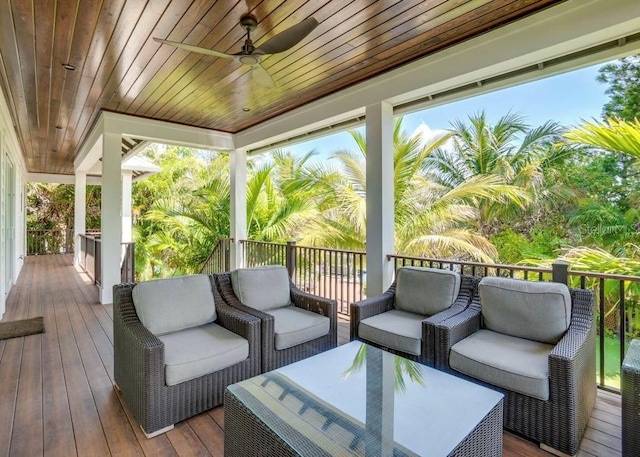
(612, 135)
(194, 213)
(430, 219)
(517, 159)
(614, 216)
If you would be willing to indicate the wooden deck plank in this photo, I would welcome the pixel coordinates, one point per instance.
(58, 429)
(89, 435)
(119, 435)
(62, 383)
(10, 364)
(27, 438)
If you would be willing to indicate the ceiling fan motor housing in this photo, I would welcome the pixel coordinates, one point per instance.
(249, 22)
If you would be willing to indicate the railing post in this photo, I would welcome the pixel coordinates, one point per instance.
(560, 271)
(223, 255)
(291, 258)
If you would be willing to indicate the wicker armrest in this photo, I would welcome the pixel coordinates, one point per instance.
(371, 307)
(468, 286)
(138, 353)
(571, 360)
(223, 288)
(243, 324)
(320, 305)
(239, 322)
(581, 324)
(452, 330)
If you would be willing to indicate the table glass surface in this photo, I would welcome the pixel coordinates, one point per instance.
(356, 397)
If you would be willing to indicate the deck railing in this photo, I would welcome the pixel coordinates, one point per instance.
(90, 258)
(218, 261)
(330, 273)
(56, 241)
(341, 275)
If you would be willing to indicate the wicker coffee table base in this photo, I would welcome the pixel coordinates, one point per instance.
(246, 435)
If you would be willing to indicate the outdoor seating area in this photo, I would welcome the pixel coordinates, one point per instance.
(91, 415)
(178, 343)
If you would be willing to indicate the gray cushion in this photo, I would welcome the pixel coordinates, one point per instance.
(425, 291)
(173, 304)
(512, 363)
(293, 326)
(538, 311)
(394, 329)
(198, 351)
(262, 288)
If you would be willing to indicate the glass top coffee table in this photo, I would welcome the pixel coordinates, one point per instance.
(360, 400)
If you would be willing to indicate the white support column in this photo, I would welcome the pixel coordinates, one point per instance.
(79, 213)
(127, 176)
(111, 226)
(238, 220)
(380, 188)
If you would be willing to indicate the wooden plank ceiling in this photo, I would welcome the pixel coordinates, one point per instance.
(120, 68)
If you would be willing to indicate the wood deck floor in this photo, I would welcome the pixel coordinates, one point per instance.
(56, 388)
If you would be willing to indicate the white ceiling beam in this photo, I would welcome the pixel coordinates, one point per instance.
(167, 132)
(60, 179)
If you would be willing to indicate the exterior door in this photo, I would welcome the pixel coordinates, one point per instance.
(8, 216)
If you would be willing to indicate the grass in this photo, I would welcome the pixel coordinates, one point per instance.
(611, 360)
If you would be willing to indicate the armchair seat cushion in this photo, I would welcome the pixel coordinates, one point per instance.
(198, 351)
(395, 329)
(515, 364)
(293, 326)
(173, 304)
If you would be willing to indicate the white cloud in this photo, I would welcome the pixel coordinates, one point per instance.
(427, 135)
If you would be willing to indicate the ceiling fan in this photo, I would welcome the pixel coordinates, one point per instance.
(251, 55)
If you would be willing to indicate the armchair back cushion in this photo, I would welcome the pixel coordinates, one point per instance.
(537, 311)
(262, 288)
(425, 291)
(173, 304)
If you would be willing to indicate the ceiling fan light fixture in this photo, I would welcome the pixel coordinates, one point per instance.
(246, 110)
(249, 60)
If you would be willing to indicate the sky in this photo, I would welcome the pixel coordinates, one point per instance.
(567, 99)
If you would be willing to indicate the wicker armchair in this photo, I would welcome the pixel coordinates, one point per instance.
(559, 422)
(630, 384)
(139, 365)
(386, 302)
(272, 357)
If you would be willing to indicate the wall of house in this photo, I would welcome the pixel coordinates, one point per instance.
(12, 205)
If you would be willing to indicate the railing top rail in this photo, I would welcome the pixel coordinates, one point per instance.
(471, 264)
(593, 274)
(270, 243)
(90, 236)
(313, 248)
(586, 274)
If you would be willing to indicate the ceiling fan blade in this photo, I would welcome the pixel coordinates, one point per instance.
(288, 38)
(197, 49)
(262, 77)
